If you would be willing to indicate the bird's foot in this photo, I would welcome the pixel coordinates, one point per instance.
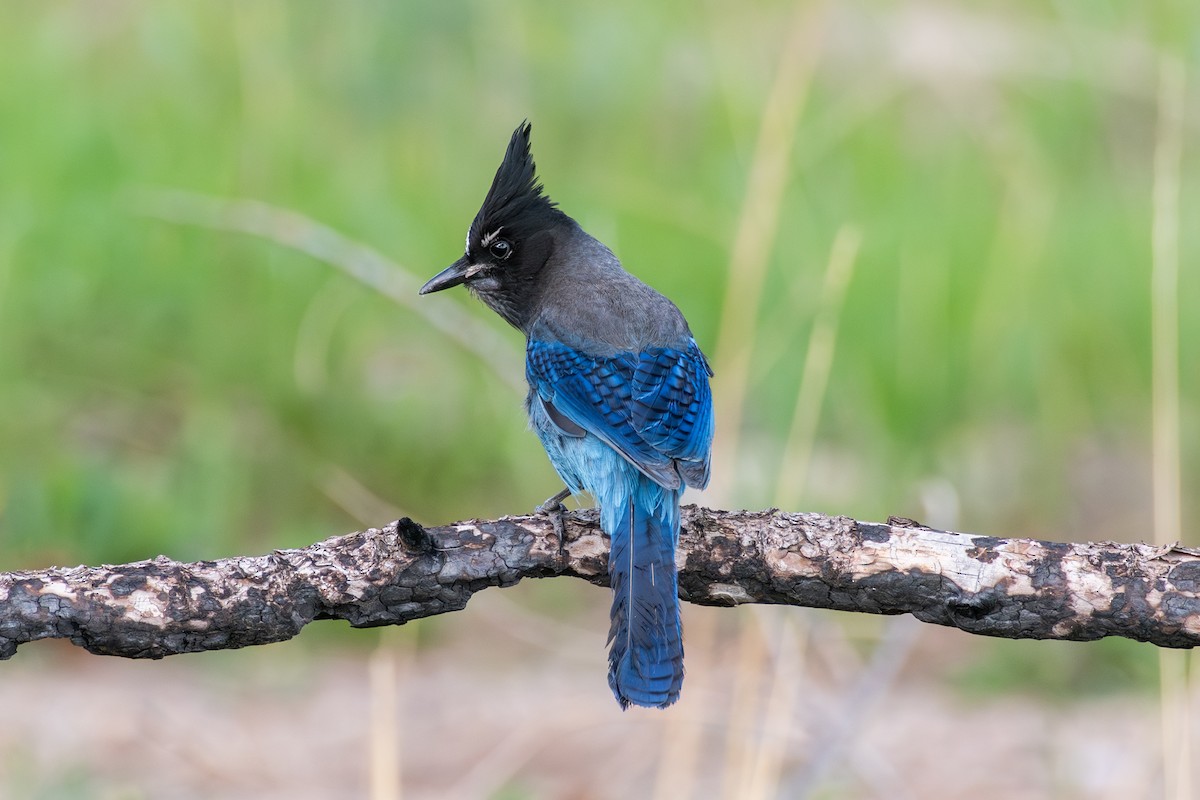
(554, 509)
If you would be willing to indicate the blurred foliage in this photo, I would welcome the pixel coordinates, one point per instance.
(166, 388)
(1058, 671)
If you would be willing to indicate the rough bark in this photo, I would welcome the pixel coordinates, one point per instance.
(1015, 588)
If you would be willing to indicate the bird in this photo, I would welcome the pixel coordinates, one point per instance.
(619, 396)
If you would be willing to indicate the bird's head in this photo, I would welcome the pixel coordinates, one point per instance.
(510, 240)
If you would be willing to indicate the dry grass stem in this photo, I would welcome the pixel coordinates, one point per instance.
(1168, 154)
(365, 264)
(818, 363)
(758, 225)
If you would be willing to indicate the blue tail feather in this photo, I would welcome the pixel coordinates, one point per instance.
(645, 659)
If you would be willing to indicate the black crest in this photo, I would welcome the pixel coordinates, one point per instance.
(516, 200)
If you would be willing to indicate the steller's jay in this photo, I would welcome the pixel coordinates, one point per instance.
(618, 395)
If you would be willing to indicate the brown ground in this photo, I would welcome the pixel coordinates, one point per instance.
(504, 702)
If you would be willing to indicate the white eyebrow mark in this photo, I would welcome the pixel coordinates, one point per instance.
(491, 237)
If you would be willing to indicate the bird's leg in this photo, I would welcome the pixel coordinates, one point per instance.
(554, 509)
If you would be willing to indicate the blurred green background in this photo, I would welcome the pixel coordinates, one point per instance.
(174, 388)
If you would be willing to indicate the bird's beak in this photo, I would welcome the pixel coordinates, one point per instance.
(452, 275)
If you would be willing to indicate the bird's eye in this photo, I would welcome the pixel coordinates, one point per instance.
(500, 249)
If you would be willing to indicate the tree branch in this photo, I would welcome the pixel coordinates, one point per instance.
(1014, 588)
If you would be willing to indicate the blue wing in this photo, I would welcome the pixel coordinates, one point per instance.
(653, 407)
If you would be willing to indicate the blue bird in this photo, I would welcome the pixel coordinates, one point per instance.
(618, 396)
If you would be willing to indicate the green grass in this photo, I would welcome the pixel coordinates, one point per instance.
(1057, 671)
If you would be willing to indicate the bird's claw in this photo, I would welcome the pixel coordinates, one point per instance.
(554, 509)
